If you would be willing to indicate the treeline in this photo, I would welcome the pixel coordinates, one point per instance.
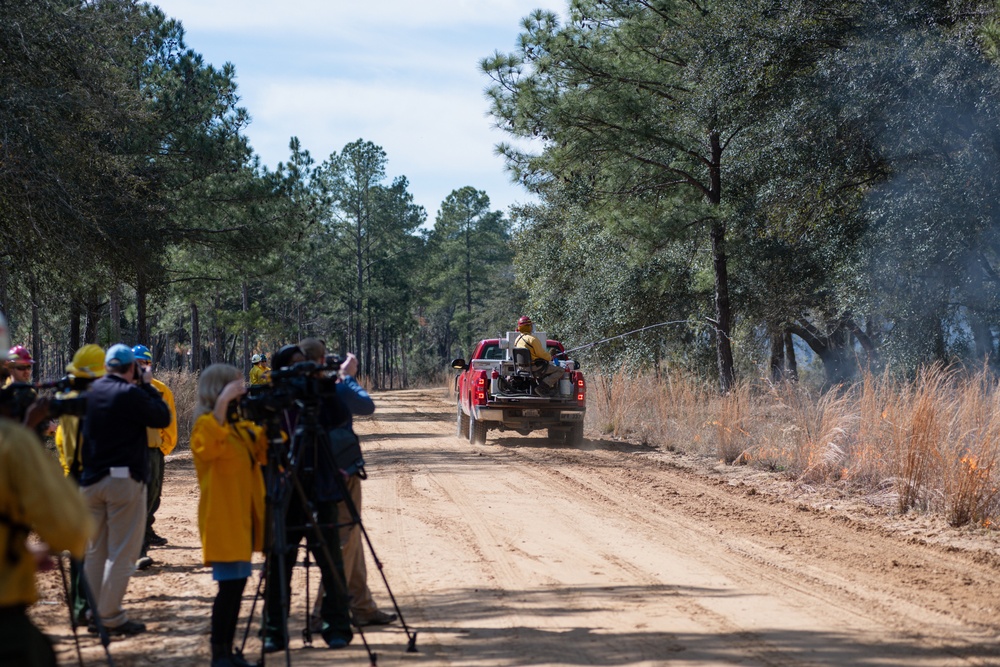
(817, 174)
(132, 208)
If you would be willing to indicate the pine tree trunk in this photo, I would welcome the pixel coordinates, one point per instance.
(405, 381)
(791, 365)
(218, 334)
(141, 326)
(723, 325)
(93, 317)
(74, 322)
(4, 286)
(723, 312)
(777, 357)
(36, 332)
(116, 313)
(246, 329)
(195, 339)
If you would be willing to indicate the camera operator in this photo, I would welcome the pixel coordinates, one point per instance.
(120, 407)
(33, 497)
(336, 622)
(358, 402)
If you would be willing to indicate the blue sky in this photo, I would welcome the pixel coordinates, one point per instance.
(403, 74)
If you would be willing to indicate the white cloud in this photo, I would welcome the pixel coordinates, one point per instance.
(344, 16)
(439, 135)
(399, 73)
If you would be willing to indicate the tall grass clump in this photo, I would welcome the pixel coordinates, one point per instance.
(672, 408)
(813, 441)
(184, 385)
(735, 413)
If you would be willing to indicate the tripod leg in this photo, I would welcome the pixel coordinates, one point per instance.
(69, 605)
(102, 631)
(253, 609)
(356, 523)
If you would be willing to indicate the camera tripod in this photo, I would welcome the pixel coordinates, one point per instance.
(286, 490)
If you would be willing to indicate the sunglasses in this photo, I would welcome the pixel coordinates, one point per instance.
(22, 368)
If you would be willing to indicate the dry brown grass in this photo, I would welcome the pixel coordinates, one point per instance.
(932, 444)
(184, 384)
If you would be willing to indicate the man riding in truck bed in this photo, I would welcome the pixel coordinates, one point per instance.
(549, 374)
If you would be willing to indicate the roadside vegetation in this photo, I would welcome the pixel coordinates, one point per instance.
(931, 444)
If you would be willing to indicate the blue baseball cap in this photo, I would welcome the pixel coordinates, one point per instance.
(142, 353)
(119, 355)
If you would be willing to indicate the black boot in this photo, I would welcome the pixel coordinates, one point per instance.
(223, 656)
(237, 660)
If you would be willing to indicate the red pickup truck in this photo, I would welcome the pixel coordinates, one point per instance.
(496, 390)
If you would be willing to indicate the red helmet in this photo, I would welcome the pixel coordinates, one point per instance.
(18, 354)
(524, 319)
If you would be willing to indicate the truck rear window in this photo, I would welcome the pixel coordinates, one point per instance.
(492, 352)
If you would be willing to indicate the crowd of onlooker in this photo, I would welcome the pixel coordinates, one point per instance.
(102, 508)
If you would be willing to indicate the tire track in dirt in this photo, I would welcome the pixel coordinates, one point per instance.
(883, 604)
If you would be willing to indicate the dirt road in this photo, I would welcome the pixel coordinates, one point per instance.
(524, 553)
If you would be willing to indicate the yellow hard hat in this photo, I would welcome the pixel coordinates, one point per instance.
(88, 362)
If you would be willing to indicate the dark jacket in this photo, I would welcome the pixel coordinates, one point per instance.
(114, 431)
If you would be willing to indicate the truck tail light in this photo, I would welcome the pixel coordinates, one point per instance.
(480, 390)
(581, 389)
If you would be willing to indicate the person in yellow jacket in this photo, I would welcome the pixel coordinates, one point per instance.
(161, 443)
(88, 363)
(227, 457)
(33, 497)
(259, 372)
(547, 370)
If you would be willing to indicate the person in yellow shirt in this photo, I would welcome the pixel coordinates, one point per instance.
(259, 372)
(33, 497)
(161, 443)
(227, 457)
(547, 370)
(88, 363)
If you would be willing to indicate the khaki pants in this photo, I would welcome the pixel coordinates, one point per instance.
(550, 375)
(119, 510)
(353, 553)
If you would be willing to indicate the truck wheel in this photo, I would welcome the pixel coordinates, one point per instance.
(557, 435)
(477, 431)
(462, 422)
(575, 436)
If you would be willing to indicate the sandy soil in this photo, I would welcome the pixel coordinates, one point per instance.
(521, 552)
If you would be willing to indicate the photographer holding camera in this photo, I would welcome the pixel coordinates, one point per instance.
(227, 456)
(33, 497)
(363, 608)
(316, 477)
(120, 407)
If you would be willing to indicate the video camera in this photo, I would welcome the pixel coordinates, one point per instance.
(17, 397)
(303, 384)
(74, 407)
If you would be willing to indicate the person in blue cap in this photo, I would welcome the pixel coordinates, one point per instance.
(161, 443)
(120, 407)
